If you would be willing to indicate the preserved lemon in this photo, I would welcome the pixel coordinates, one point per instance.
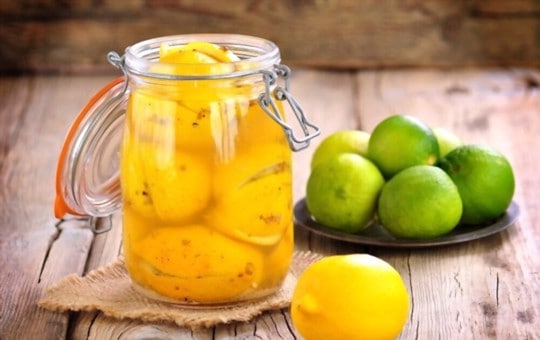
(136, 193)
(196, 264)
(196, 52)
(251, 196)
(278, 258)
(178, 183)
(206, 184)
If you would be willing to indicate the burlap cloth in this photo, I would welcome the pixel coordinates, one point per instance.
(109, 290)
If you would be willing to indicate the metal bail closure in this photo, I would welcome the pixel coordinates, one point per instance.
(87, 174)
(268, 104)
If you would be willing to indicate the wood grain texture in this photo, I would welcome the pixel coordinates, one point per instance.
(474, 290)
(75, 36)
(33, 249)
(486, 289)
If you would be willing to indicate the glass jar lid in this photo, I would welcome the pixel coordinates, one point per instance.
(87, 175)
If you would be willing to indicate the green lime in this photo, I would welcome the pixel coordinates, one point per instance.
(447, 140)
(485, 181)
(401, 141)
(354, 141)
(420, 202)
(342, 192)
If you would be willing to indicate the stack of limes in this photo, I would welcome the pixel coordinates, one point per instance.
(417, 181)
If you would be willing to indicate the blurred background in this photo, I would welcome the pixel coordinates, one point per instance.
(57, 36)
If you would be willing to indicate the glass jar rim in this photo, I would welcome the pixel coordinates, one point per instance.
(254, 53)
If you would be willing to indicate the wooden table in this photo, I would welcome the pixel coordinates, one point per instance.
(484, 289)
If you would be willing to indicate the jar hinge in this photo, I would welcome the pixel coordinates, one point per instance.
(309, 129)
(98, 225)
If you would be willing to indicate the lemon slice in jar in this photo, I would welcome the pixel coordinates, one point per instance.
(197, 52)
(196, 57)
(278, 258)
(203, 105)
(251, 195)
(196, 264)
(179, 183)
(135, 192)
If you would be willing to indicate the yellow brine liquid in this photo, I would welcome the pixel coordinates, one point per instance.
(206, 185)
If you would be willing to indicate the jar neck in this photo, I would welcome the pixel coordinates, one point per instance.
(255, 54)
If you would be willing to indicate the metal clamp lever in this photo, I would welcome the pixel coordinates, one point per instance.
(309, 129)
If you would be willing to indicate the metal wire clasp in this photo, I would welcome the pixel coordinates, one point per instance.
(266, 101)
(119, 62)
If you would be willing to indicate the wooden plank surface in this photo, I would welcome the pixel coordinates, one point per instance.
(49, 35)
(473, 291)
(35, 253)
(485, 289)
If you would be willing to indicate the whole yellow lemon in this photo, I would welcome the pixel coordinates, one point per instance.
(355, 296)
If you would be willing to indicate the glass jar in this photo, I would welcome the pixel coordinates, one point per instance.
(198, 158)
